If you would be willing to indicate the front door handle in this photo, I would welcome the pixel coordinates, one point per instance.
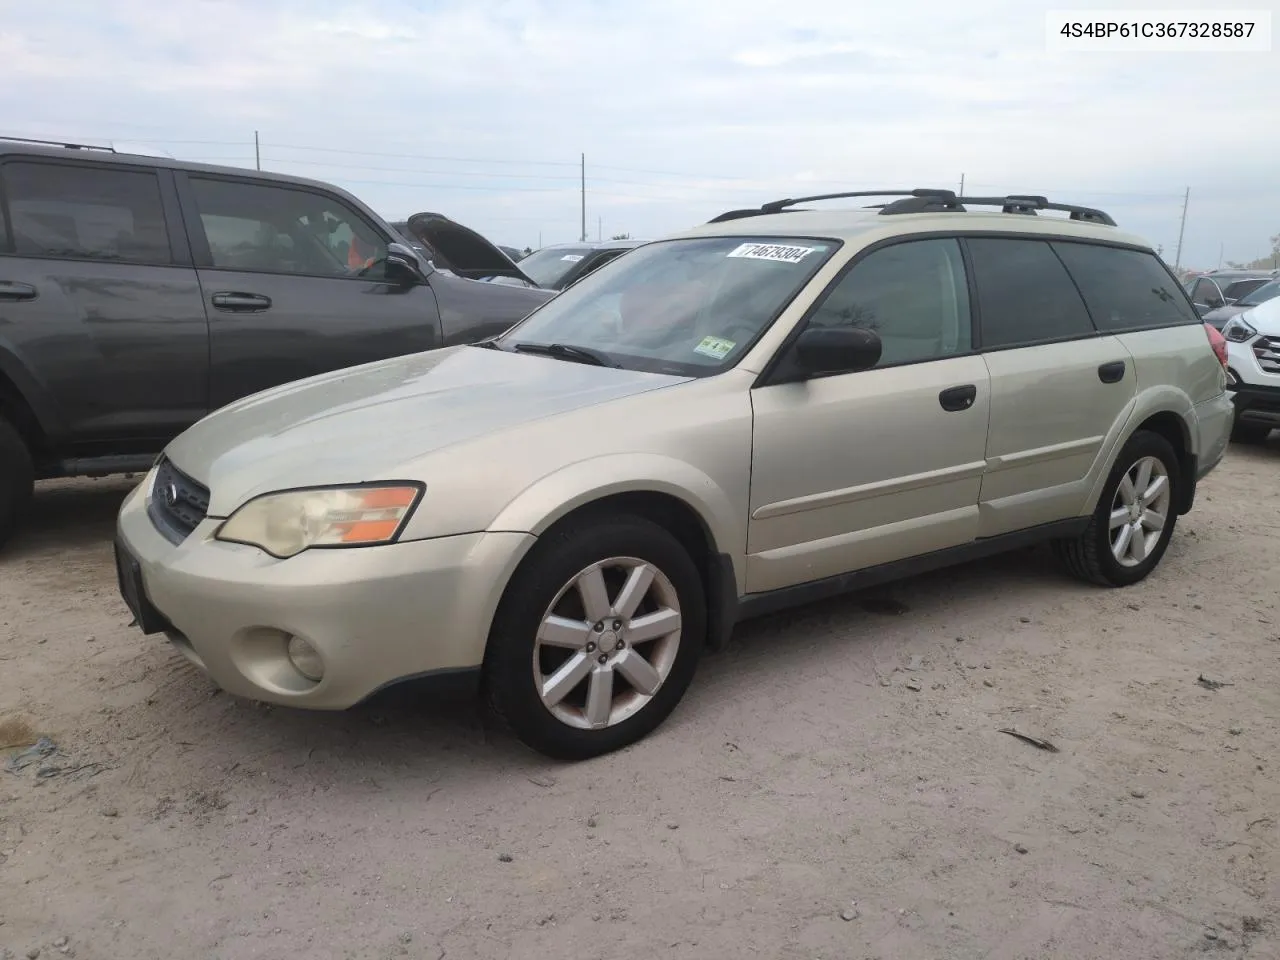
(958, 398)
(240, 302)
(1112, 372)
(10, 290)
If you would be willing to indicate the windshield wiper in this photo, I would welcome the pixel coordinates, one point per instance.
(567, 351)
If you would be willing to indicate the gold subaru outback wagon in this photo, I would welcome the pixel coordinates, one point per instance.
(774, 406)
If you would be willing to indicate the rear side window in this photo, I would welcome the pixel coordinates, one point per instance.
(1025, 295)
(81, 213)
(1125, 289)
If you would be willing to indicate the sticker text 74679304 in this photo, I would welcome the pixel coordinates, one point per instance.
(780, 252)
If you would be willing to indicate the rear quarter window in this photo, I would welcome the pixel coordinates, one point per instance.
(1125, 289)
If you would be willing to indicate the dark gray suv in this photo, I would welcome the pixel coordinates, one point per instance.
(138, 294)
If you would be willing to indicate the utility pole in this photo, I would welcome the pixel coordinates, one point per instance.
(962, 184)
(584, 198)
(1221, 247)
(599, 228)
(1177, 257)
(257, 154)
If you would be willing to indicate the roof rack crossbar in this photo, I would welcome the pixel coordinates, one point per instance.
(59, 143)
(926, 200)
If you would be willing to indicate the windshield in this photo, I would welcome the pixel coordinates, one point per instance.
(690, 307)
(549, 266)
(1261, 295)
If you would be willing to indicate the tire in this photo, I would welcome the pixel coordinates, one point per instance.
(1090, 556)
(518, 662)
(1250, 433)
(17, 479)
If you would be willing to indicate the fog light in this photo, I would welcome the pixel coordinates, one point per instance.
(305, 659)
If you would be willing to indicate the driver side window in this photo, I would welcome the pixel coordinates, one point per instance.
(1206, 294)
(251, 226)
(913, 294)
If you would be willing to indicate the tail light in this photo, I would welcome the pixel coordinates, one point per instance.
(1218, 342)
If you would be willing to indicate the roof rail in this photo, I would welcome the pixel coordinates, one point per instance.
(925, 200)
(58, 143)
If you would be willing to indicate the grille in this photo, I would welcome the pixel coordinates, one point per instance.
(1267, 350)
(178, 503)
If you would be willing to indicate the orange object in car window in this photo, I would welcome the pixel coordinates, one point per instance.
(358, 256)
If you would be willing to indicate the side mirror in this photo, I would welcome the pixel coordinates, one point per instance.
(821, 350)
(403, 265)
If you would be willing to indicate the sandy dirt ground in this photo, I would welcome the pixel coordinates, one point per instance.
(834, 785)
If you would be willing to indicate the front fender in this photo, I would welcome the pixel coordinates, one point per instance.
(556, 495)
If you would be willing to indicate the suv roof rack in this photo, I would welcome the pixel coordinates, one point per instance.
(926, 200)
(58, 143)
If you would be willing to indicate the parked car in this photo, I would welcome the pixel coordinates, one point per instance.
(1261, 292)
(1218, 288)
(561, 264)
(137, 294)
(771, 408)
(1253, 370)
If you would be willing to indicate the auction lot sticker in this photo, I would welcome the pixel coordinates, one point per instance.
(779, 252)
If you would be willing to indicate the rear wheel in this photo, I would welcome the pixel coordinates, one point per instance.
(1135, 517)
(597, 637)
(17, 479)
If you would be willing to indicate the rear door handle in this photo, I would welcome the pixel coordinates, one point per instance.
(958, 398)
(1112, 372)
(240, 302)
(9, 290)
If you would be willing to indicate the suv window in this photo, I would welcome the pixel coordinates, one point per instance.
(1125, 289)
(913, 294)
(281, 230)
(1206, 293)
(82, 213)
(1242, 288)
(1025, 295)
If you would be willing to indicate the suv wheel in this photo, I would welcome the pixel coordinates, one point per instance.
(1249, 432)
(17, 479)
(597, 637)
(1136, 514)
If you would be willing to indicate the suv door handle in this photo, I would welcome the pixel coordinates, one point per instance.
(240, 302)
(958, 398)
(9, 290)
(1112, 372)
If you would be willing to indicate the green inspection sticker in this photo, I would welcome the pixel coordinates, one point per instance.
(715, 347)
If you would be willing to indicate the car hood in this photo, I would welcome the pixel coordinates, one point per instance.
(1220, 315)
(461, 250)
(1265, 317)
(365, 422)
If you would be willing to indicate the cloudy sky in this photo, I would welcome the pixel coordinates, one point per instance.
(480, 108)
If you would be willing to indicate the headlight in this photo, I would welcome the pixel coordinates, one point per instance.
(1238, 330)
(285, 524)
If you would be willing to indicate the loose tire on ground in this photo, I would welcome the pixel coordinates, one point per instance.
(1092, 556)
(551, 609)
(17, 479)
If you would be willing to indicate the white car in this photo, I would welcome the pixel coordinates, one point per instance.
(1253, 371)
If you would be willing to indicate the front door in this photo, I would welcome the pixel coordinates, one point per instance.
(859, 469)
(295, 285)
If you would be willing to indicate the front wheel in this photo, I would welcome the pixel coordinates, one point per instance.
(597, 637)
(17, 479)
(1135, 517)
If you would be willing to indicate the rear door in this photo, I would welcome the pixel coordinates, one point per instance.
(295, 283)
(99, 301)
(1057, 385)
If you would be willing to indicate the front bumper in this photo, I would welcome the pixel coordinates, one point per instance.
(1256, 404)
(376, 615)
